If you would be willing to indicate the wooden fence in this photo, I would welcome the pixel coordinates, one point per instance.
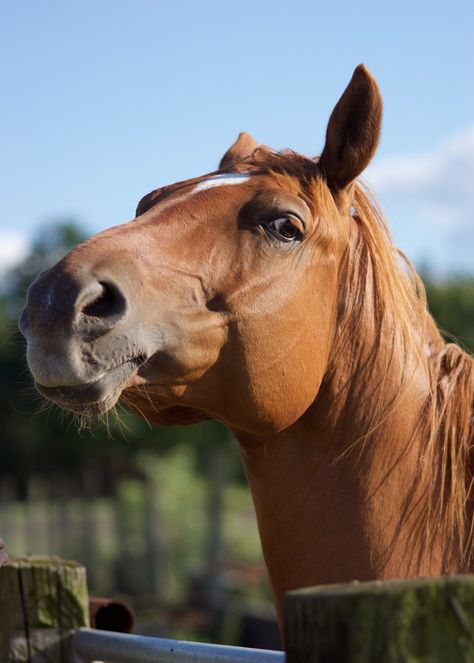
(44, 612)
(44, 604)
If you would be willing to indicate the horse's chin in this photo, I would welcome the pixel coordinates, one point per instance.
(93, 398)
(161, 413)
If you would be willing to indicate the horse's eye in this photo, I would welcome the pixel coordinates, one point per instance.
(285, 228)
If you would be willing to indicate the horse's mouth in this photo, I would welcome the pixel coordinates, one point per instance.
(96, 397)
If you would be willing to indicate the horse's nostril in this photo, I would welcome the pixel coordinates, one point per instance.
(105, 303)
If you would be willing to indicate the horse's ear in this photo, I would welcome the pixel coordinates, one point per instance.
(353, 132)
(243, 147)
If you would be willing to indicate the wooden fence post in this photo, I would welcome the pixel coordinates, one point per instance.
(425, 620)
(42, 599)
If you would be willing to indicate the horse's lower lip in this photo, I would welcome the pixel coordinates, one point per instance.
(98, 395)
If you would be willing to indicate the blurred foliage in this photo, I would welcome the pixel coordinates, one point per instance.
(167, 580)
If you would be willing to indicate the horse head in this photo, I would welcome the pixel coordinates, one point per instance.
(219, 300)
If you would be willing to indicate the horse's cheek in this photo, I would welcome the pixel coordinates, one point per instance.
(282, 385)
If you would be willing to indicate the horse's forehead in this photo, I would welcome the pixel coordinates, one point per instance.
(186, 192)
(233, 181)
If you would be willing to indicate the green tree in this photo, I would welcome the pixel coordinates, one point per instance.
(451, 302)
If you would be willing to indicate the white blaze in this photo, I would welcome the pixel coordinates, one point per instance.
(222, 179)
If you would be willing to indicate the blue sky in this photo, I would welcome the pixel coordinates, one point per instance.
(104, 101)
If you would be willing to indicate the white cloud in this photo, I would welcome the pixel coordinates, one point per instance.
(13, 248)
(436, 189)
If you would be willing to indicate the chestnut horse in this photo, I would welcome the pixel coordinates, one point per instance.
(268, 295)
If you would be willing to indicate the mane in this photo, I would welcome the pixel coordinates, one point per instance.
(373, 268)
(446, 427)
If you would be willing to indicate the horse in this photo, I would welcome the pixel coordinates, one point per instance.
(269, 295)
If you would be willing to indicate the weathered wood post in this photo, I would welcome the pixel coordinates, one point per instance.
(42, 599)
(414, 621)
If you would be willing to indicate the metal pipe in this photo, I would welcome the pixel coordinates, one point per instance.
(90, 645)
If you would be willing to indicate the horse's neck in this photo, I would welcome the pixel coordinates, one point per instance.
(338, 496)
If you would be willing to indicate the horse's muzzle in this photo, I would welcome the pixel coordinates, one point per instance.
(69, 323)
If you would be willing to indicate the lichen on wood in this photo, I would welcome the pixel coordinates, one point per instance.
(411, 621)
(42, 599)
